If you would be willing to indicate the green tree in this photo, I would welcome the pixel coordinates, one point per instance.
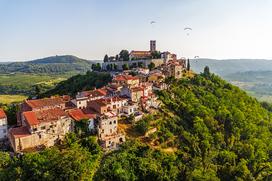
(109, 67)
(115, 67)
(151, 66)
(156, 54)
(94, 67)
(106, 58)
(117, 57)
(206, 71)
(125, 66)
(98, 67)
(124, 55)
(188, 65)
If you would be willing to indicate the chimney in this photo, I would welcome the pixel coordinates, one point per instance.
(152, 45)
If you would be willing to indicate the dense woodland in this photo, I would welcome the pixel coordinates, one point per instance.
(215, 132)
(78, 83)
(218, 132)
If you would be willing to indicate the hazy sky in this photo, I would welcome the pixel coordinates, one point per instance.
(89, 29)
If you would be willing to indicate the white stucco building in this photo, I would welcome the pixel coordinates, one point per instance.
(3, 125)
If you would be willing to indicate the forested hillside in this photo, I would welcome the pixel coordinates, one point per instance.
(78, 83)
(54, 64)
(206, 129)
(214, 131)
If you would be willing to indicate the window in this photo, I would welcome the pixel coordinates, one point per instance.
(40, 136)
(34, 129)
(79, 102)
(43, 127)
(110, 122)
(114, 121)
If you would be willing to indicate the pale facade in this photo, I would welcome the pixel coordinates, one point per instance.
(3, 125)
(41, 128)
(108, 133)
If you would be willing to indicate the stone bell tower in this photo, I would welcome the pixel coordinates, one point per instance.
(152, 45)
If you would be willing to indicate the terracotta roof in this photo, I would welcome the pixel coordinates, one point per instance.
(49, 115)
(100, 102)
(94, 93)
(125, 77)
(90, 111)
(174, 63)
(110, 114)
(46, 102)
(102, 91)
(2, 114)
(19, 132)
(137, 89)
(140, 53)
(78, 115)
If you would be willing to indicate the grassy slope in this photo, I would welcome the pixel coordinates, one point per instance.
(8, 99)
(23, 83)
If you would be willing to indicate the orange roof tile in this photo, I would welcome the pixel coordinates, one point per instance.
(2, 114)
(125, 77)
(137, 89)
(140, 53)
(37, 117)
(19, 132)
(78, 115)
(46, 102)
(94, 93)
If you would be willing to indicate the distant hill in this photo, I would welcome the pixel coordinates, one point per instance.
(252, 75)
(60, 59)
(54, 64)
(230, 66)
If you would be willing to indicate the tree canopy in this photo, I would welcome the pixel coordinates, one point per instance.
(215, 132)
(79, 83)
(124, 55)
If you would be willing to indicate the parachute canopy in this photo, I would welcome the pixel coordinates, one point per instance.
(188, 29)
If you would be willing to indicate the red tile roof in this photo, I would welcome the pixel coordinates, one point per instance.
(94, 93)
(2, 114)
(174, 63)
(49, 115)
(78, 115)
(19, 132)
(140, 54)
(137, 89)
(46, 102)
(124, 77)
(100, 102)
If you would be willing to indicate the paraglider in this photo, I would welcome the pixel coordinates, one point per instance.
(188, 29)
(153, 22)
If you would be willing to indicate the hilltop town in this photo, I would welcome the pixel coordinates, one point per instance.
(42, 123)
